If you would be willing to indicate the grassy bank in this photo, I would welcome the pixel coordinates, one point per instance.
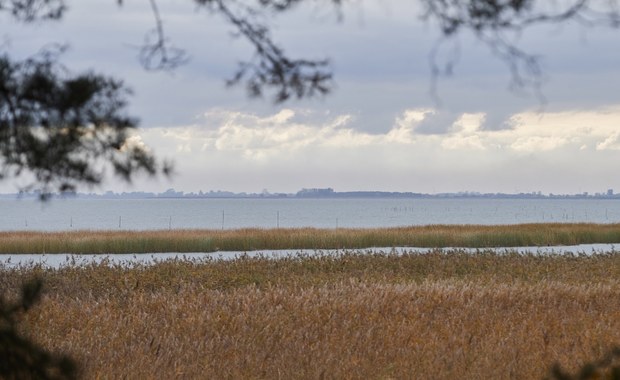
(438, 315)
(475, 236)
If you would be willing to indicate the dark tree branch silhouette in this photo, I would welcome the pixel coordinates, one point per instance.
(271, 69)
(157, 53)
(497, 22)
(608, 367)
(20, 358)
(65, 129)
(34, 10)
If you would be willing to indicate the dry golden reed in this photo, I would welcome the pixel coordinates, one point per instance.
(426, 316)
(475, 236)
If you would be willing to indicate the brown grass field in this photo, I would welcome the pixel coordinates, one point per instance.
(434, 236)
(356, 316)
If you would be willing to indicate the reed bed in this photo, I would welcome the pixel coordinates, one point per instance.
(352, 316)
(433, 236)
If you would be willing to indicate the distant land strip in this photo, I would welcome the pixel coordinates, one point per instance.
(316, 193)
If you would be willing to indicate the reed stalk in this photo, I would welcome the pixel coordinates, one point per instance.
(433, 236)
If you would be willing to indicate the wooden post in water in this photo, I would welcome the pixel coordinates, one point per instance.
(170, 223)
(278, 219)
(119, 222)
(222, 220)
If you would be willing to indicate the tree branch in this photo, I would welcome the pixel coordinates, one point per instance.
(34, 10)
(64, 129)
(156, 53)
(271, 70)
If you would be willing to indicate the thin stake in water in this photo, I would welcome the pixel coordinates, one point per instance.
(222, 219)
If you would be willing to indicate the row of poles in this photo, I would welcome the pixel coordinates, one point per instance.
(120, 221)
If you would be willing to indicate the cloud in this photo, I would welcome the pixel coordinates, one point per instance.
(405, 126)
(465, 134)
(260, 137)
(537, 143)
(497, 120)
(437, 122)
(294, 148)
(611, 143)
(257, 138)
(134, 141)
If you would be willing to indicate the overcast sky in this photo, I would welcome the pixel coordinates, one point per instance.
(380, 129)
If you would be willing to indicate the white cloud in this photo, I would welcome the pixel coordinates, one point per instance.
(465, 134)
(537, 143)
(294, 149)
(611, 143)
(268, 136)
(134, 141)
(405, 124)
(463, 142)
(261, 137)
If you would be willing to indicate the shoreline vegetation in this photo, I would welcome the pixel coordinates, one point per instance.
(436, 315)
(356, 315)
(250, 239)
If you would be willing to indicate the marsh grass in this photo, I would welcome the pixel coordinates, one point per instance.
(475, 236)
(353, 316)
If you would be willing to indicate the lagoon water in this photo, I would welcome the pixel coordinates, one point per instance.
(155, 214)
(56, 261)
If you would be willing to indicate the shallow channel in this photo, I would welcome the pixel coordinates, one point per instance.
(57, 261)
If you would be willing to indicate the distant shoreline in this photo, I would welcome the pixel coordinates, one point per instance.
(315, 194)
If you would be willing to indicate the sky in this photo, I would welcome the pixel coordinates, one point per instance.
(382, 128)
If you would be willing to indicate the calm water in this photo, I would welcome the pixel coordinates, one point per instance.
(145, 214)
(130, 260)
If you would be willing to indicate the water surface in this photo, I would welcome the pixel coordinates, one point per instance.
(153, 214)
(56, 261)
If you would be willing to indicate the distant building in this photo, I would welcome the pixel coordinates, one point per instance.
(315, 192)
(610, 192)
